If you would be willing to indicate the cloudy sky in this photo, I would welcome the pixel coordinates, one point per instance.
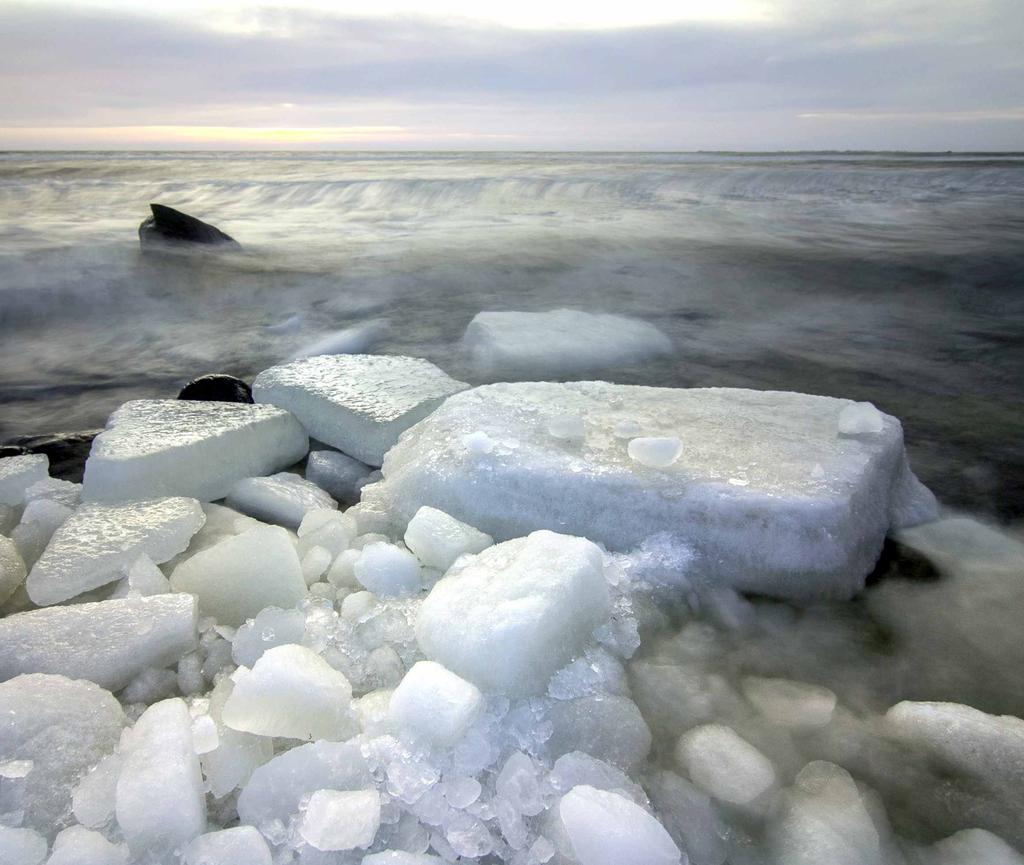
(468, 74)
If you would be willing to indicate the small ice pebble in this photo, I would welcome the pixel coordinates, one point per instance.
(387, 570)
(434, 703)
(654, 451)
(341, 819)
(723, 764)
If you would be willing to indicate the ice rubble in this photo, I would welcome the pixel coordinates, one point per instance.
(558, 343)
(190, 448)
(769, 495)
(359, 404)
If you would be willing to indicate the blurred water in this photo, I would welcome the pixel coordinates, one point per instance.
(889, 277)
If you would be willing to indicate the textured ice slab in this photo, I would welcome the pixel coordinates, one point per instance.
(438, 539)
(724, 765)
(239, 576)
(604, 828)
(341, 819)
(242, 845)
(292, 692)
(160, 799)
(97, 541)
(338, 474)
(18, 473)
(109, 642)
(61, 727)
(434, 703)
(559, 342)
(283, 499)
(507, 618)
(765, 490)
(167, 447)
(359, 404)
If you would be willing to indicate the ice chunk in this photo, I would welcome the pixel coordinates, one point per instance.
(12, 569)
(387, 570)
(18, 473)
(724, 765)
(55, 490)
(341, 819)
(788, 703)
(558, 343)
(283, 499)
(605, 726)
(39, 521)
(860, 418)
(359, 404)
(434, 703)
(605, 828)
(77, 845)
(243, 574)
(400, 857)
(276, 789)
(783, 533)
(242, 845)
(291, 691)
(690, 818)
(21, 846)
(109, 642)
(146, 579)
(97, 541)
(350, 340)
(94, 799)
(160, 799)
(438, 539)
(197, 448)
(655, 452)
(337, 473)
(328, 529)
(271, 627)
(62, 727)
(973, 847)
(507, 618)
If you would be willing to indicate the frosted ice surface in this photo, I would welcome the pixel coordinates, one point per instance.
(604, 828)
(788, 703)
(55, 490)
(21, 846)
(359, 404)
(338, 474)
(292, 692)
(12, 568)
(276, 789)
(194, 448)
(657, 452)
(93, 800)
(507, 618)
(434, 703)
(328, 529)
(724, 765)
(237, 754)
(283, 499)
(39, 521)
(341, 819)
(109, 642)
(63, 727)
(160, 799)
(478, 443)
(783, 533)
(96, 541)
(558, 342)
(568, 427)
(387, 570)
(860, 418)
(241, 575)
(973, 847)
(241, 845)
(77, 845)
(438, 539)
(271, 627)
(18, 473)
(146, 579)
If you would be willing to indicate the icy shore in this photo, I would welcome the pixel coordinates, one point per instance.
(526, 643)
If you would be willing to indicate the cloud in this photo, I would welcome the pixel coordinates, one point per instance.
(910, 72)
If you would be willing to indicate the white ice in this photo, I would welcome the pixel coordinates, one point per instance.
(283, 498)
(359, 404)
(790, 704)
(240, 845)
(188, 447)
(341, 819)
(387, 570)
(77, 845)
(561, 342)
(438, 539)
(724, 765)
(338, 474)
(21, 846)
(18, 473)
(860, 418)
(97, 541)
(741, 494)
(434, 703)
(656, 452)
(330, 530)
(39, 522)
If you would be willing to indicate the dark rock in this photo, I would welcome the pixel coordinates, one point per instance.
(170, 227)
(217, 387)
(67, 451)
(13, 451)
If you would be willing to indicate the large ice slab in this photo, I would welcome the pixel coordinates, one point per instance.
(167, 447)
(58, 728)
(109, 642)
(18, 473)
(507, 618)
(558, 343)
(765, 489)
(97, 541)
(360, 404)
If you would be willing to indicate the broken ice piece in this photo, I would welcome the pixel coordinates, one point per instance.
(240, 845)
(96, 541)
(357, 403)
(77, 845)
(18, 473)
(438, 539)
(387, 570)
(434, 703)
(337, 474)
(341, 819)
(724, 765)
(193, 448)
(328, 529)
(655, 452)
(283, 499)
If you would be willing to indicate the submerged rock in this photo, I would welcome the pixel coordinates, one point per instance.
(170, 227)
(217, 387)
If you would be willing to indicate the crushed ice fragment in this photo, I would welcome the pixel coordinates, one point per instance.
(387, 570)
(341, 819)
(438, 539)
(434, 703)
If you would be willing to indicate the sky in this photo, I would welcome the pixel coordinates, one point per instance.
(524, 74)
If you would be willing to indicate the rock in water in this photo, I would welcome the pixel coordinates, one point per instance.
(170, 227)
(154, 447)
(357, 403)
(67, 451)
(217, 387)
(765, 489)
